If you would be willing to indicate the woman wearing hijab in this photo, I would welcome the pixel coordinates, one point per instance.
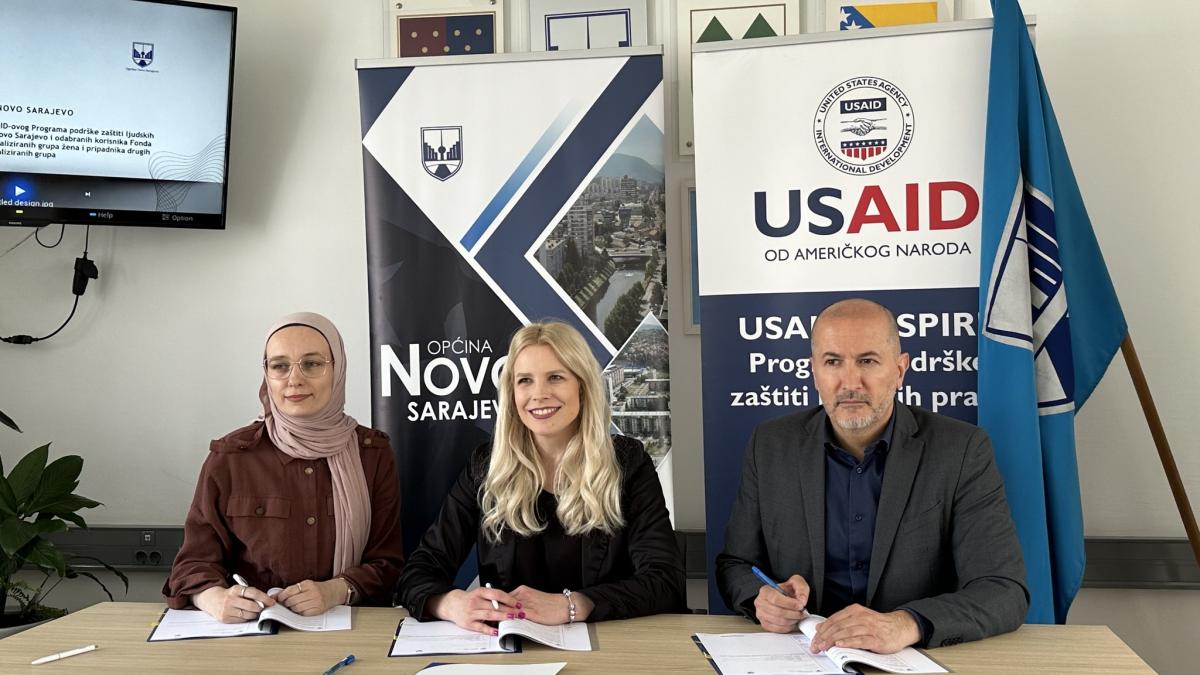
(570, 522)
(303, 499)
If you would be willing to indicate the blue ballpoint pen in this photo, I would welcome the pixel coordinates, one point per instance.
(340, 664)
(768, 580)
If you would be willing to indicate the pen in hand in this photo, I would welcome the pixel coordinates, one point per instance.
(495, 605)
(242, 582)
(770, 582)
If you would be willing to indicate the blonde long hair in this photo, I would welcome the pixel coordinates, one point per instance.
(588, 482)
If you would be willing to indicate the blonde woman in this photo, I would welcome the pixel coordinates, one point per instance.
(570, 522)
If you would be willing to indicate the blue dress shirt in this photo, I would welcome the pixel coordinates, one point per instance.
(851, 499)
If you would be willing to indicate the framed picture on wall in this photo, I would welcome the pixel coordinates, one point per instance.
(860, 14)
(588, 24)
(691, 266)
(444, 27)
(701, 21)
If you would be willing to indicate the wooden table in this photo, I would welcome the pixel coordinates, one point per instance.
(657, 644)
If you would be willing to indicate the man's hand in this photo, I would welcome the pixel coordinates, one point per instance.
(862, 628)
(779, 613)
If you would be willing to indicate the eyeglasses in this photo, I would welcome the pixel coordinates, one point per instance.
(310, 367)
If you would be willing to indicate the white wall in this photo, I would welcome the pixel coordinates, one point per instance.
(162, 353)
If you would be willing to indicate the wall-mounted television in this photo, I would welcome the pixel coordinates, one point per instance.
(115, 112)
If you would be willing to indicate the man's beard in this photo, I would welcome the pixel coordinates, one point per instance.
(864, 421)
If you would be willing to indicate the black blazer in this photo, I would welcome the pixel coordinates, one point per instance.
(945, 545)
(638, 570)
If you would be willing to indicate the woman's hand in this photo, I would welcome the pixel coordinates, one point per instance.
(236, 604)
(310, 598)
(551, 609)
(472, 609)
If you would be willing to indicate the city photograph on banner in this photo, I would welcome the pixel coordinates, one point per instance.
(608, 254)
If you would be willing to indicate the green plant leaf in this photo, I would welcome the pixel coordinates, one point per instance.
(69, 504)
(121, 575)
(8, 422)
(96, 579)
(8, 501)
(15, 534)
(27, 473)
(50, 526)
(73, 518)
(46, 556)
(60, 477)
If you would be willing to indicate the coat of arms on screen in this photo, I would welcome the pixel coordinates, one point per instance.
(143, 53)
(441, 151)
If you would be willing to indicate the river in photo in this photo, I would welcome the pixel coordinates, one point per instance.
(619, 282)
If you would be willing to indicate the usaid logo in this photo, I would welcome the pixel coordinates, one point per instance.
(143, 53)
(863, 126)
(441, 151)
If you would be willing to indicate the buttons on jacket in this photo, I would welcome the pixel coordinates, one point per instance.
(951, 641)
(259, 511)
(366, 441)
(308, 471)
(311, 520)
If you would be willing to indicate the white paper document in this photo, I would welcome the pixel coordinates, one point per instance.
(443, 637)
(776, 654)
(763, 654)
(185, 624)
(415, 638)
(493, 669)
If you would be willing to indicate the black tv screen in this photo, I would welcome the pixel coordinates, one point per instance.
(115, 112)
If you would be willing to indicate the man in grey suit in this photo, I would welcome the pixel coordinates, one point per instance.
(924, 552)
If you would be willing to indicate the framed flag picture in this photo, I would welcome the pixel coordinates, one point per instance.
(586, 24)
(701, 21)
(860, 14)
(444, 27)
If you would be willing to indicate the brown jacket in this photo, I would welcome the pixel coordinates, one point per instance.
(269, 517)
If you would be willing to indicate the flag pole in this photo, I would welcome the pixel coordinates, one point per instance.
(1160, 442)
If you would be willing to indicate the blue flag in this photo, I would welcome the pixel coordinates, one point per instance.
(1049, 317)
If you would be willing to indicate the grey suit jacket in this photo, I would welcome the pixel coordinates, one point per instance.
(945, 545)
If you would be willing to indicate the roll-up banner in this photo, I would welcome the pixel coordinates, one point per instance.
(502, 190)
(831, 166)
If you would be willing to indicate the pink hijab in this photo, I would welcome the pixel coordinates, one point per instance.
(330, 433)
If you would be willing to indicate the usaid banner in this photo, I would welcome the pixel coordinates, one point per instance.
(502, 190)
(828, 167)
